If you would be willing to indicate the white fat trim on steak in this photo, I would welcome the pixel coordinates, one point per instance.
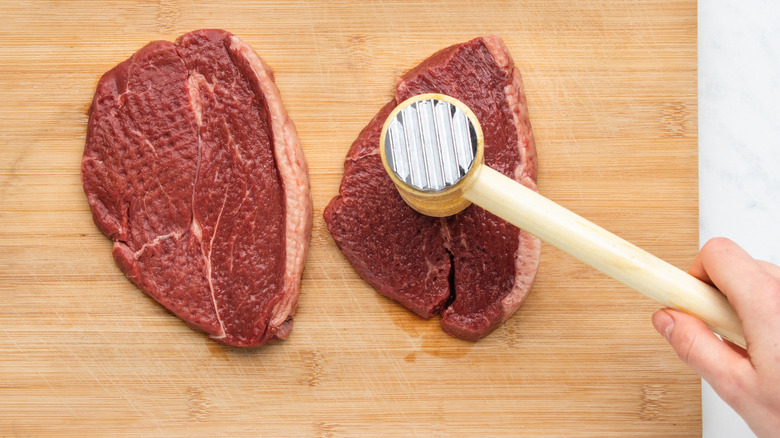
(529, 247)
(293, 172)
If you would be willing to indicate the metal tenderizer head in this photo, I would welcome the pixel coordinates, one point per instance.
(430, 142)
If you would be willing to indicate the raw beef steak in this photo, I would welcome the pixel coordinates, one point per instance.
(472, 268)
(193, 168)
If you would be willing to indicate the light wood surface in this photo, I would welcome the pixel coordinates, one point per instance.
(611, 89)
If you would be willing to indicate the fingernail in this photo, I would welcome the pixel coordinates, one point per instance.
(664, 323)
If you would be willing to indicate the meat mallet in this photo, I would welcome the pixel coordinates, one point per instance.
(432, 147)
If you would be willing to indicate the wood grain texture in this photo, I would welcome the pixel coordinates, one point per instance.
(612, 95)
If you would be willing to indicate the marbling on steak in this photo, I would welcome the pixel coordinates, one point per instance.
(472, 268)
(194, 169)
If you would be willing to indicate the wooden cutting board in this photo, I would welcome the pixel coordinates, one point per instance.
(612, 94)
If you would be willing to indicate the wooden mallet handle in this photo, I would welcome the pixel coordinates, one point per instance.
(604, 251)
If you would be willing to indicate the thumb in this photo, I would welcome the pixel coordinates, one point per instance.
(702, 350)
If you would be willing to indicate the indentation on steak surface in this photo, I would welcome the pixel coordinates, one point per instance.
(451, 279)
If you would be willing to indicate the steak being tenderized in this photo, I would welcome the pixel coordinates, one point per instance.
(472, 268)
(194, 169)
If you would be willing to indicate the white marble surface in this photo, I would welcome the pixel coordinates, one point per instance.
(739, 145)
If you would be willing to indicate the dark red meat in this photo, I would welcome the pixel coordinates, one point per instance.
(472, 268)
(193, 168)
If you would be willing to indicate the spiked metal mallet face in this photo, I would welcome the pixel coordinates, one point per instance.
(429, 146)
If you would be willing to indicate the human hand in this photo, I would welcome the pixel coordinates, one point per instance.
(748, 380)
